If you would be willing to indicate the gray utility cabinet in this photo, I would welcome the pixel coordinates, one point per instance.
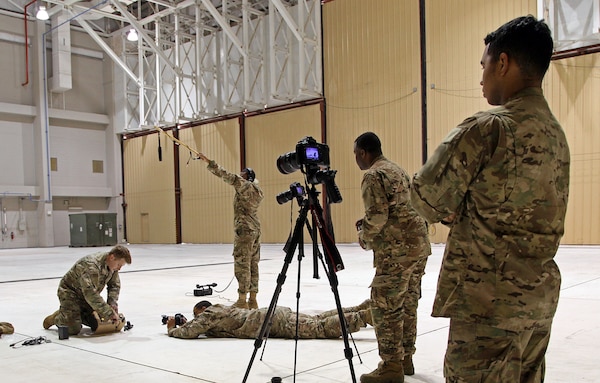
(93, 229)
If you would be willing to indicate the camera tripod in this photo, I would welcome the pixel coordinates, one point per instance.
(334, 263)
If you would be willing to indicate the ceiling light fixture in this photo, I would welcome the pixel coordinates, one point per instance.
(42, 14)
(132, 35)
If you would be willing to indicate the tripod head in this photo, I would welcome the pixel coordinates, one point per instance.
(309, 201)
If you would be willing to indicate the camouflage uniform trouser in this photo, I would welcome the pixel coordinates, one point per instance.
(484, 354)
(246, 254)
(394, 301)
(311, 327)
(74, 312)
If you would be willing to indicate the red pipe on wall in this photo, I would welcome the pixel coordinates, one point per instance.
(26, 44)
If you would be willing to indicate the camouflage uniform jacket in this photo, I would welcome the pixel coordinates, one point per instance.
(221, 321)
(505, 173)
(390, 223)
(248, 196)
(86, 280)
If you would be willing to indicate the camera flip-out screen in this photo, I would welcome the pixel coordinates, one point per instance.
(312, 153)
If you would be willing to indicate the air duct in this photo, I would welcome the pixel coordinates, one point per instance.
(61, 80)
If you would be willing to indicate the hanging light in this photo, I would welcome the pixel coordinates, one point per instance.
(132, 35)
(42, 14)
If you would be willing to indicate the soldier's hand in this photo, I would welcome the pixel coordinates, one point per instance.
(449, 219)
(203, 157)
(362, 244)
(359, 224)
(170, 323)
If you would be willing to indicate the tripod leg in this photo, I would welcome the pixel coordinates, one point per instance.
(334, 263)
(290, 248)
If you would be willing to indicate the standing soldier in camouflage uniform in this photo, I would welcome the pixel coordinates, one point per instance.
(399, 239)
(500, 180)
(220, 321)
(246, 242)
(79, 290)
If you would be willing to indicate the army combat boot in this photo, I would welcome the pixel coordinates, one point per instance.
(49, 320)
(407, 364)
(241, 303)
(252, 303)
(386, 372)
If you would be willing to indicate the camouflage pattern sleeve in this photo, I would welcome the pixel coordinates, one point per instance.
(91, 292)
(440, 186)
(498, 267)
(191, 329)
(113, 287)
(230, 178)
(376, 208)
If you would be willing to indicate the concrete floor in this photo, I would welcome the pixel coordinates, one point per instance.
(161, 280)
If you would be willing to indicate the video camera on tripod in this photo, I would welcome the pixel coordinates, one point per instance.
(313, 159)
(202, 290)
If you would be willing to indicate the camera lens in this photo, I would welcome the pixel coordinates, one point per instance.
(284, 197)
(288, 163)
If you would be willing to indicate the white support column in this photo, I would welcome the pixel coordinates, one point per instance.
(41, 136)
(142, 87)
(158, 78)
(178, 84)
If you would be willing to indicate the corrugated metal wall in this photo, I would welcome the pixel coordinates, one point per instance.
(455, 31)
(572, 87)
(372, 82)
(207, 201)
(149, 192)
(267, 137)
(372, 75)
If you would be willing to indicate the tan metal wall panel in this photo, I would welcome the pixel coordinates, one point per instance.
(371, 66)
(267, 137)
(207, 201)
(149, 191)
(572, 87)
(372, 81)
(455, 32)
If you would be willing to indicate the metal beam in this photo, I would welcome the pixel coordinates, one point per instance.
(225, 26)
(133, 21)
(287, 17)
(108, 50)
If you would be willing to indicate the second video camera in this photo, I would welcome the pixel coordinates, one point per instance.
(296, 190)
(179, 319)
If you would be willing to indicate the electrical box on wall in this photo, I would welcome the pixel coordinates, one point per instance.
(93, 229)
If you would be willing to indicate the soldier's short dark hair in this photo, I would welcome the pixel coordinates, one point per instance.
(369, 142)
(202, 305)
(526, 40)
(121, 252)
